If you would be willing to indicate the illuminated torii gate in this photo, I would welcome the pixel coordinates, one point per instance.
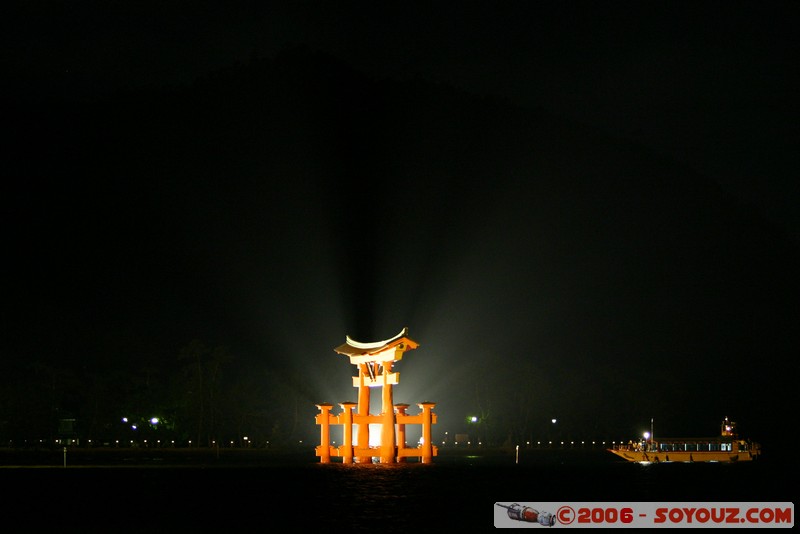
(374, 362)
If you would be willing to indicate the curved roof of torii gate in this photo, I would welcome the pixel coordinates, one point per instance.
(356, 348)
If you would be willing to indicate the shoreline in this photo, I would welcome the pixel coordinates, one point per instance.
(231, 457)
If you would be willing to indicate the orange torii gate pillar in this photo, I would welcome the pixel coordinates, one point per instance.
(374, 362)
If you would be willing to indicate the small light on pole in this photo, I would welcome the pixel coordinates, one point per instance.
(652, 434)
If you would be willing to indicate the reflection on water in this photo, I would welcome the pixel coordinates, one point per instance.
(451, 493)
(460, 493)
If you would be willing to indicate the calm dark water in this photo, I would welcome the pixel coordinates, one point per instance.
(153, 494)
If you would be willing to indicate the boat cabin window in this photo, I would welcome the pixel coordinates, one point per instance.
(694, 446)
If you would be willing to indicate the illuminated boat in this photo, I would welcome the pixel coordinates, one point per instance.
(728, 447)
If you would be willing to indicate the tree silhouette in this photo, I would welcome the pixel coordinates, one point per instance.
(200, 381)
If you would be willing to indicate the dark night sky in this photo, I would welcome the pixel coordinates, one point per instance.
(587, 205)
